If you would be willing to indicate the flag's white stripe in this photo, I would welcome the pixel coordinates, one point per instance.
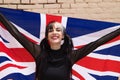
(5, 55)
(1, 33)
(108, 45)
(30, 67)
(26, 33)
(2, 54)
(0, 30)
(64, 21)
(26, 64)
(85, 39)
(104, 57)
(26, 71)
(84, 72)
(19, 64)
(75, 77)
(1, 40)
(42, 26)
(13, 43)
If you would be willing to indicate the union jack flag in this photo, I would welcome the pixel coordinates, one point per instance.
(16, 63)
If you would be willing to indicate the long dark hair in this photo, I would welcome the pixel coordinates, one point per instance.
(66, 47)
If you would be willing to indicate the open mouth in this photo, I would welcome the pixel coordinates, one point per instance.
(55, 37)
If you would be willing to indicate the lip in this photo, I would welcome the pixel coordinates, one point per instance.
(54, 37)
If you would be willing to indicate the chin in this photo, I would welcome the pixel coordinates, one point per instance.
(56, 42)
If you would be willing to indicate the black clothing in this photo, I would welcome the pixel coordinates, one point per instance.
(58, 65)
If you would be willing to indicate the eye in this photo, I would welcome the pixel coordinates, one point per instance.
(50, 30)
(58, 29)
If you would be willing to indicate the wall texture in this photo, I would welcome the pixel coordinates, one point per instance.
(105, 10)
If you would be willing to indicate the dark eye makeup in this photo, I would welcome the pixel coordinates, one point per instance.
(57, 29)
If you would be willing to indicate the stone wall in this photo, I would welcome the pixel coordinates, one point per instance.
(105, 10)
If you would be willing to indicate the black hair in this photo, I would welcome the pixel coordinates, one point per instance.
(66, 47)
(50, 25)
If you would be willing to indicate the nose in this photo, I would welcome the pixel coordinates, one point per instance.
(54, 31)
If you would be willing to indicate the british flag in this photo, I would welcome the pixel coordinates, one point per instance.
(16, 63)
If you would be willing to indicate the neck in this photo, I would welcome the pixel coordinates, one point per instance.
(55, 46)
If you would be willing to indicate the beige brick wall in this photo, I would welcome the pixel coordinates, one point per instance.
(105, 10)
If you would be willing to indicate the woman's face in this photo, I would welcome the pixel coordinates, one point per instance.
(55, 34)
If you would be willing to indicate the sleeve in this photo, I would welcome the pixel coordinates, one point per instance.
(20, 37)
(82, 52)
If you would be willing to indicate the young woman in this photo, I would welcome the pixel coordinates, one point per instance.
(55, 55)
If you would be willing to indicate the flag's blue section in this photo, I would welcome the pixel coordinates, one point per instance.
(79, 27)
(24, 19)
(3, 59)
(110, 51)
(4, 39)
(18, 76)
(105, 77)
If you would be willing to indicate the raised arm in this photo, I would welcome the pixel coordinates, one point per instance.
(15, 33)
(80, 53)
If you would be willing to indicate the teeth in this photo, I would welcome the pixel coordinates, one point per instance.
(54, 37)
